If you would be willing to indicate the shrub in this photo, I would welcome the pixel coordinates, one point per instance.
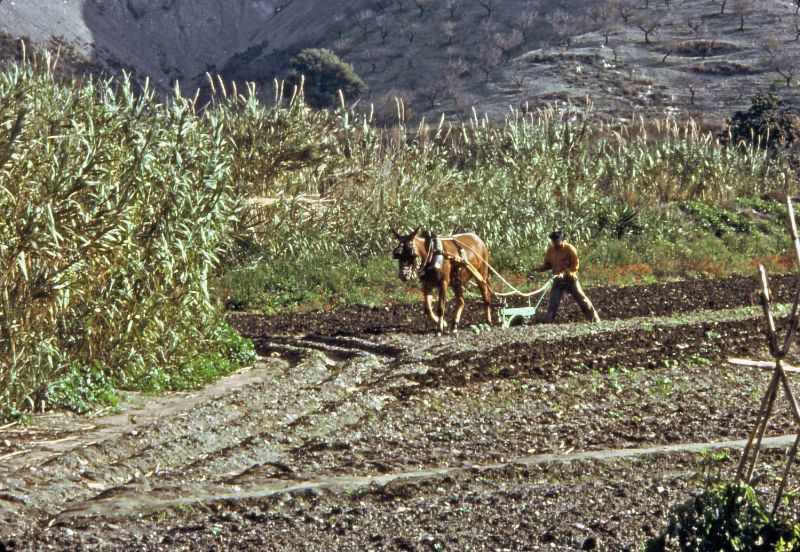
(726, 518)
(769, 122)
(325, 74)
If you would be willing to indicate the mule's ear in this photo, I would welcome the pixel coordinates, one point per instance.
(397, 234)
(415, 234)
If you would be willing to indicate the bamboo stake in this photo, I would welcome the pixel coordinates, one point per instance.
(789, 393)
(791, 456)
(765, 306)
(762, 429)
(761, 413)
(793, 320)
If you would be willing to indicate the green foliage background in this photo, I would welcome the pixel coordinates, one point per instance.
(113, 211)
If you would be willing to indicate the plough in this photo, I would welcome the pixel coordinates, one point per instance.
(509, 316)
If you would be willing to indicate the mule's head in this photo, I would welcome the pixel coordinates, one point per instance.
(409, 259)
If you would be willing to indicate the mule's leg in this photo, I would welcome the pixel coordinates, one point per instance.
(442, 306)
(428, 292)
(459, 292)
(486, 293)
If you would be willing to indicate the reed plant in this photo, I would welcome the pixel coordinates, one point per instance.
(114, 209)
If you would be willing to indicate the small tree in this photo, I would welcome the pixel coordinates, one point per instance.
(489, 57)
(783, 59)
(364, 19)
(768, 122)
(624, 8)
(696, 25)
(325, 74)
(507, 42)
(384, 26)
(648, 23)
(410, 31)
(604, 18)
(564, 25)
(449, 31)
(740, 8)
(527, 17)
(422, 5)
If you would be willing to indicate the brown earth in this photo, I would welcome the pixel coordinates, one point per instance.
(359, 431)
(613, 303)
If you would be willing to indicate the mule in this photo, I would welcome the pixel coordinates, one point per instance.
(417, 256)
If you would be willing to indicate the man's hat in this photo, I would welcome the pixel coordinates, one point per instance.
(558, 235)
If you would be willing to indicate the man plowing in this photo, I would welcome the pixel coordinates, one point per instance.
(562, 258)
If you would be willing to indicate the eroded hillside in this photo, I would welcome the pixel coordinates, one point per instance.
(627, 56)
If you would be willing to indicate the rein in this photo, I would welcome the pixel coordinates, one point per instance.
(514, 291)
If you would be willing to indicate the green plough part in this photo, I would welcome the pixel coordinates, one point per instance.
(509, 315)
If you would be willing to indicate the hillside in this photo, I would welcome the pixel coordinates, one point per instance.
(627, 56)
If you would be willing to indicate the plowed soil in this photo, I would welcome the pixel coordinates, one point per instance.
(361, 430)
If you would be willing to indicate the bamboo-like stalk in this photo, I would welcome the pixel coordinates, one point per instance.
(768, 398)
(790, 457)
(773, 394)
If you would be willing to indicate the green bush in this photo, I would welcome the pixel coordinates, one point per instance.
(715, 219)
(325, 75)
(769, 122)
(726, 518)
(80, 390)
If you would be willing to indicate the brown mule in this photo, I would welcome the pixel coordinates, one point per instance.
(434, 262)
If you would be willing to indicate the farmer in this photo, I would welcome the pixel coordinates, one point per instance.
(562, 259)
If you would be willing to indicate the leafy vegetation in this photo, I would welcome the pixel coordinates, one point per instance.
(769, 121)
(726, 517)
(324, 76)
(114, 209)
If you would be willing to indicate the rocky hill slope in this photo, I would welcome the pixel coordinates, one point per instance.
(625, 56)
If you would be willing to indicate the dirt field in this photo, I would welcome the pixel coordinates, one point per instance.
(360, 430)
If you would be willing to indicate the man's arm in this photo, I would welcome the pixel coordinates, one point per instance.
(545, 266)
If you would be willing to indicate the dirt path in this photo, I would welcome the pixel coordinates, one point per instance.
(329, 423)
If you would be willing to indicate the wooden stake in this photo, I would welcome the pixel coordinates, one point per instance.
(793, 319)
(764, 422)
(771, 333)
(789, 394)
(790, 460)
(761, 413)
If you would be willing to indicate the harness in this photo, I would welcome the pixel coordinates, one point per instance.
(435, 256)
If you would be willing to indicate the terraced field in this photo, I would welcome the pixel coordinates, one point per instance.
(361, 430)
